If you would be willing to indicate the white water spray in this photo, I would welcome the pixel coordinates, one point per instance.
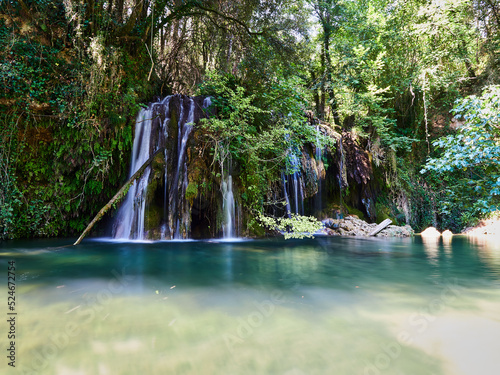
(228, 208)
(131, 215)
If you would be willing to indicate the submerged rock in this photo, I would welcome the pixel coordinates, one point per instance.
(353, 226)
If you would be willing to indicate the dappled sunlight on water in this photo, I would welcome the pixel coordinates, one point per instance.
(323, 306)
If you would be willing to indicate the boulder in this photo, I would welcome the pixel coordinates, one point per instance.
(430, 232)
(353, 226)
(396, 231)
(447, 233)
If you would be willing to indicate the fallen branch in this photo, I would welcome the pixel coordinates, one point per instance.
(116, 198)
(381, 227)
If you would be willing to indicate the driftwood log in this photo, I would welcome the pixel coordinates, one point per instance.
(116, 198)
(380, 227)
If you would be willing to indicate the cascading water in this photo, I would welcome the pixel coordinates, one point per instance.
(155, 127)
(318, 204)
(179, 217)
(207, 102)
(292, 184)
(130, 219)
(228, 208)
(342, 177)
(287, 199)
(297, 185)
(165, 101)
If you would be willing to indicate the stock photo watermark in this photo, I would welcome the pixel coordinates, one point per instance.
(11, 313)
(264, 309)
(82, 316)
(419, 322)
(247, 326)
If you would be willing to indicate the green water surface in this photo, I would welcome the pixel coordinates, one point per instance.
(322, 306)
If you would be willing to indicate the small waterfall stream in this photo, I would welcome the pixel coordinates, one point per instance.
(179, 206)
(318, 204)
(292, 184)
(303, 178)
(131, 214)
(342, 178)
(166, 122)
(228, 208)
(287, 199)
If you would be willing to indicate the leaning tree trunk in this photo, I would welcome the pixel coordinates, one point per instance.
(121, 193)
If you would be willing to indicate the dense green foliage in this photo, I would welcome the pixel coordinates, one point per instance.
(295, 226)
(257, 129)
(388, 72)
(469, 161)
(66, 123)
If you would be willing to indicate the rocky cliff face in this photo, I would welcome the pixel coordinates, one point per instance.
(180, 197)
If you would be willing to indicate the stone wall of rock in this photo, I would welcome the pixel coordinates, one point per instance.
(353, 226)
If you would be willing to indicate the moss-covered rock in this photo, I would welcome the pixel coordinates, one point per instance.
(152, 219)
(355, 211)
(191, 192)
(253, 228)
(383, 212)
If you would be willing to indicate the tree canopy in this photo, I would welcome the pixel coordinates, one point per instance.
(473, 151)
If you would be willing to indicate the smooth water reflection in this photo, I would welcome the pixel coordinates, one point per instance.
(322, 306)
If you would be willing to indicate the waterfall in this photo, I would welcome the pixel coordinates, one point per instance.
(156, 128)
(367, 203)
(228, 208)
(131, 214)
(287, 199)
(180, 207)
(166, 122)
(293, 185)
(342, 177)
(318, 204)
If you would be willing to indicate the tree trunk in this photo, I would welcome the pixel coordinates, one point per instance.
(322, 94)
(131, 22)
(316, 94)
(121, 193)
(119, 11)
(381, 227)
(331, 94)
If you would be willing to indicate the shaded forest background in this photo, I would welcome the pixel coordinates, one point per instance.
(384, 74)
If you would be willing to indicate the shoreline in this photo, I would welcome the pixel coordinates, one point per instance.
(489, 227)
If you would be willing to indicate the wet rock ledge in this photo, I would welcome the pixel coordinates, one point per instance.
(353, 226)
